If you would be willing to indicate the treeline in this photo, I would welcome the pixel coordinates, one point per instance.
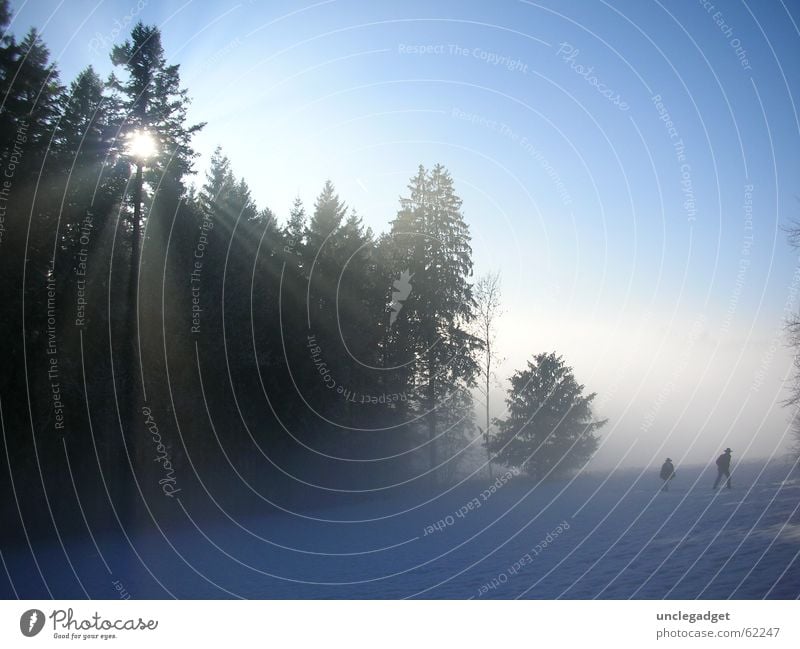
(163, 343)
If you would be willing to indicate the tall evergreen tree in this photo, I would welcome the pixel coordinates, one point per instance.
(9, 56)
(294, 232)
(329, 211)
(85, 124)
(92, 179)
(319, 260)
(431, 244)
(30, 103)
(153, 108)
(152, 100)
(31, 322)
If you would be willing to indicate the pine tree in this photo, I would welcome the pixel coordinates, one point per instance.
(5, 20)
(91, 178)
(152, 105)
(294, 233)
(319, 260)
(83, 127)
(328, 214)
(152, 100)
(550, 428)
(431, 241)
(29, 110)
(9, 57)
(30, 105)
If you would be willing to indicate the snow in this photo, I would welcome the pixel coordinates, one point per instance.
(595, 536)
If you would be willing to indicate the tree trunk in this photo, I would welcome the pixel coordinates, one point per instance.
(129, 365)
(486, 433)
(432, 416)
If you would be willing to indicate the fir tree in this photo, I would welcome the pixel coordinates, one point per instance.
(431, 241)
(550, 428)
(152, 100)
(294, 232)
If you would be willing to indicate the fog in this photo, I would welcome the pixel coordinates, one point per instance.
(681, 392)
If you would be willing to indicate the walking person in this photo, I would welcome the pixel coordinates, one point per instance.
(667, 473)
(723, 469)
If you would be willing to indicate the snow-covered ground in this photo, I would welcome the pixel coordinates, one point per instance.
(596, 536)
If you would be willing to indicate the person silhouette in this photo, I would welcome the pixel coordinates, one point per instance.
(667, 473)
(723, 469)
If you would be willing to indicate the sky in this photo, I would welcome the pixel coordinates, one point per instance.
(629, 167)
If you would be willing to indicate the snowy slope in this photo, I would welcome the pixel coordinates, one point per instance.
(596, 536)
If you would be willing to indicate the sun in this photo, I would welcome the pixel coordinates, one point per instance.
(141, 145)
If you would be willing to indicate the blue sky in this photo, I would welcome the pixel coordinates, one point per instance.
(651, 266)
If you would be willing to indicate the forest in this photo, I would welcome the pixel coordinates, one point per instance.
(169, 343)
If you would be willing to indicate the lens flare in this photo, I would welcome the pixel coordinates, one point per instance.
(141, 145)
